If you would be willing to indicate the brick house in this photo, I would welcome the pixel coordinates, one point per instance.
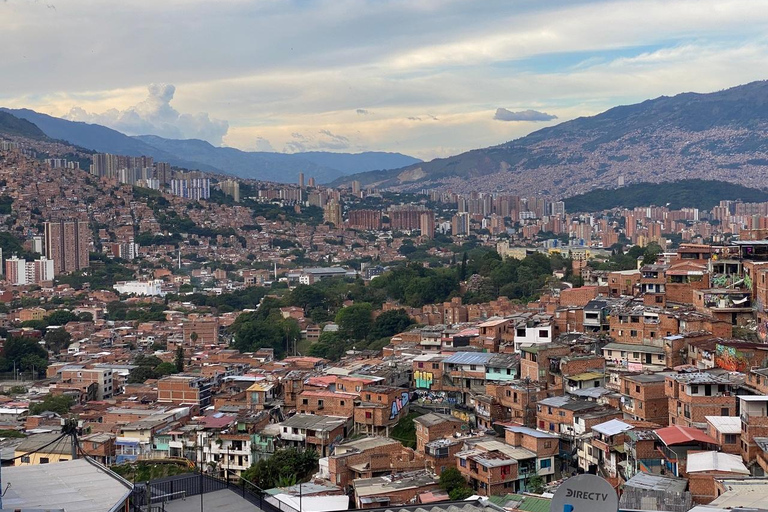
(332, 403)
(704, 467)
(754, 424)
(541, 363)
(369, 457)
(726, 430)
(380, 408)
(644, 397)
(393, 491)
(693, 396)
(433, 426)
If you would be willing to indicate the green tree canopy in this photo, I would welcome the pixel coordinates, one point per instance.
(60, 404)
(356, 320)
(282, 465)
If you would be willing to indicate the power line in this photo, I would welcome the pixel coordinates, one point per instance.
(38, 449)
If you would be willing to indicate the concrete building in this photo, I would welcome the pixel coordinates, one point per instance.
(66, 243)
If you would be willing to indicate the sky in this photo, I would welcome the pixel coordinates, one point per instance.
(428, 78)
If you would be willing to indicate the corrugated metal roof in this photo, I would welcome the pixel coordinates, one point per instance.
(716, 461)
(469, 358)
(676, 434)
(612, 427)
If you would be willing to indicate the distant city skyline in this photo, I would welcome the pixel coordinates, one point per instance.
(429, 78)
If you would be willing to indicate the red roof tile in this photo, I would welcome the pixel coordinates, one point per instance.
(676, 434)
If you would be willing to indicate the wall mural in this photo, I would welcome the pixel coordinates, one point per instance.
(398, 405)
(423, 379)
(728, 358)
(434, 398)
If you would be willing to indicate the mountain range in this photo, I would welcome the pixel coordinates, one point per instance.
(199, 154)
(716, 136)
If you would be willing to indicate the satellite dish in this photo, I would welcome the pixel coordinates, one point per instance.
(585, 493)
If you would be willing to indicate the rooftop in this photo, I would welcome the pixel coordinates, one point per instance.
(314, 422)
(657, 483)
(725, 424)
(480, 358)
(612, 427)
(74, 486)
(716, 461)
(676, 434)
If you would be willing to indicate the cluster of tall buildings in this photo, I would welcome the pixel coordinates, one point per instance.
(20, 272)
(65, 247)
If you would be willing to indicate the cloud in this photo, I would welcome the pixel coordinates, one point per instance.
(503, 114)
(363, 112)
(323, 140)
(263, 144)
(156, 116)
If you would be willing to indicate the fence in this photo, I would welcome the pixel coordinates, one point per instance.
(152, 496)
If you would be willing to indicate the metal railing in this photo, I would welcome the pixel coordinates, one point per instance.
(152, 496)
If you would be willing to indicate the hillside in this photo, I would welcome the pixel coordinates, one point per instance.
(718, 136)
(198, 154)
(12, 125)
(699, 194)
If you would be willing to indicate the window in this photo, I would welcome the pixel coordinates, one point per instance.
(547, 444)
(304, 401)
(546, 463)
(637, 388)
(44, 460)
(463, 462)
(368, 397)
(521, 333)
(610, 352)
(341, 402)
(543, 334)
(421, 365)
(435, 366)
(509, 372)
(472, 367)
(729, 439)
(25, 459)
(725, 412)
(552, 427)
(368, 415)
(694, 389)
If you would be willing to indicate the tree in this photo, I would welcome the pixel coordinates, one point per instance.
(355, 321)
(535, 484)
(463, 268)
(61, 317)
(164, 369)
(26, 353)
(85, 316)
(390, 323)
(57, 339)
(179, 360)
(453, 481)
(60, 404)
(193, 337)
(283, 465)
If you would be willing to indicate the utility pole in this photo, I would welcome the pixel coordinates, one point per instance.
(72, 427)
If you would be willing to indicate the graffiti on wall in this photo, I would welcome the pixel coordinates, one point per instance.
(434, 398)
(728, 358)
(398, 405)
(423, 379)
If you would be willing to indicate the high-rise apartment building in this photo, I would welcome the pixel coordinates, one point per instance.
(20, 272)
(365, 219)
(66, 243)
(332, 213)
(231, 188)
(192, 188)
(301, 180)
(427, 221)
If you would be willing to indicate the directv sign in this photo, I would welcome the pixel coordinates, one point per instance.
(585, 493)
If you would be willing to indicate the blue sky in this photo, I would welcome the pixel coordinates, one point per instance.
(423, 77)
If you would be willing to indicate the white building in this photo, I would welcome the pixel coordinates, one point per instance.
(149, 288)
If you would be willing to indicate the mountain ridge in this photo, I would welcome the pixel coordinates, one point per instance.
(717, 136)
(201, 155)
